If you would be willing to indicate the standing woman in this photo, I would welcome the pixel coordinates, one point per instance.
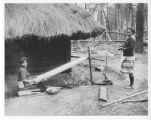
(128, 60)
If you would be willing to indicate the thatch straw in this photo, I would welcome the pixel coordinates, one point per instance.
(48, 20)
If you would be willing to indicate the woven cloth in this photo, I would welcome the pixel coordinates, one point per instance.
(127, 65)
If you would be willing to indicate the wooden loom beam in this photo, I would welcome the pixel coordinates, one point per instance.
(58, 70)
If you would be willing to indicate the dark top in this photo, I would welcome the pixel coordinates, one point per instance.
(22, 74)
(130, 46)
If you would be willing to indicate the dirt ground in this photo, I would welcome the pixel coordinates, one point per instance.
(83, 100)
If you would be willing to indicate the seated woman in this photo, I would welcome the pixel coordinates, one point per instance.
(24, 78)
(23, 74)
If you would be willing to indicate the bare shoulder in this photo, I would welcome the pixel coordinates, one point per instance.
(133, 37)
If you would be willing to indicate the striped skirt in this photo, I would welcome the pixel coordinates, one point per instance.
(127, 65)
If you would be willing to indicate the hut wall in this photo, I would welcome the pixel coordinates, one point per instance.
(43, 55)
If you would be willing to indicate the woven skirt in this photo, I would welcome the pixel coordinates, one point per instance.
(127, 65)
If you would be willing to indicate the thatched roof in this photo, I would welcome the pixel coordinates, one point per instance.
(47, 20)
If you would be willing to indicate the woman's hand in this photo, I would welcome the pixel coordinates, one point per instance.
(121, 48)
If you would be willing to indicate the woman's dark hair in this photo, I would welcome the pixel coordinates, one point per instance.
(132, 30)
(22, 59)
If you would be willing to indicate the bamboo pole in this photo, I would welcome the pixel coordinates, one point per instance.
(97, 41)
(79, 45)
(89, 54)
(119, 100)
(106, 64)
(58, 70)
(133, 101)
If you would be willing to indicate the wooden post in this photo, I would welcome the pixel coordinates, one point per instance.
(79, 44)
(68, 54)
(106, 64)
(89, 54)
(103, 93)
(108, 36)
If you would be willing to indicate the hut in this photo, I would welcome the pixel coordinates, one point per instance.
(42, 33)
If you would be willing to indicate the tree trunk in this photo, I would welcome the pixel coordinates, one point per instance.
(139, 27)
(133, 17)
(85, 6)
